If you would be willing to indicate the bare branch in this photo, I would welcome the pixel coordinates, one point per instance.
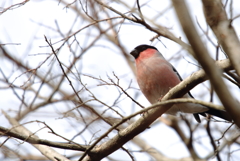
(217, 19)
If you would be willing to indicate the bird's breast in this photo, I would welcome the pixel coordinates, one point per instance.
(155, 78)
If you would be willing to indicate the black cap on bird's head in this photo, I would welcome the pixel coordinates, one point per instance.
(137, 50)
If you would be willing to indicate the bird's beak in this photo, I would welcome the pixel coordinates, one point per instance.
(135, 53)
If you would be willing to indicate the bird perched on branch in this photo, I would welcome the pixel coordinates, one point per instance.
(156, 76)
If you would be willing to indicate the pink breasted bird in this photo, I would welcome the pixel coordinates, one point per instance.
(155, 76)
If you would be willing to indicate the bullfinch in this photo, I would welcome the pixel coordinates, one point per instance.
(156, 76)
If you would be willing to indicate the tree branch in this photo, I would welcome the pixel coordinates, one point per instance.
(217, 19)
(45, 150)
(33, 140)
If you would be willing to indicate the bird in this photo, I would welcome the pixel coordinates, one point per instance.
(156, 76)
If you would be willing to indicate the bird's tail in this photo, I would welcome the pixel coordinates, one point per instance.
(219, 113)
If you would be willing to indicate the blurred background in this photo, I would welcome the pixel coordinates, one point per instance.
(92, 44)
